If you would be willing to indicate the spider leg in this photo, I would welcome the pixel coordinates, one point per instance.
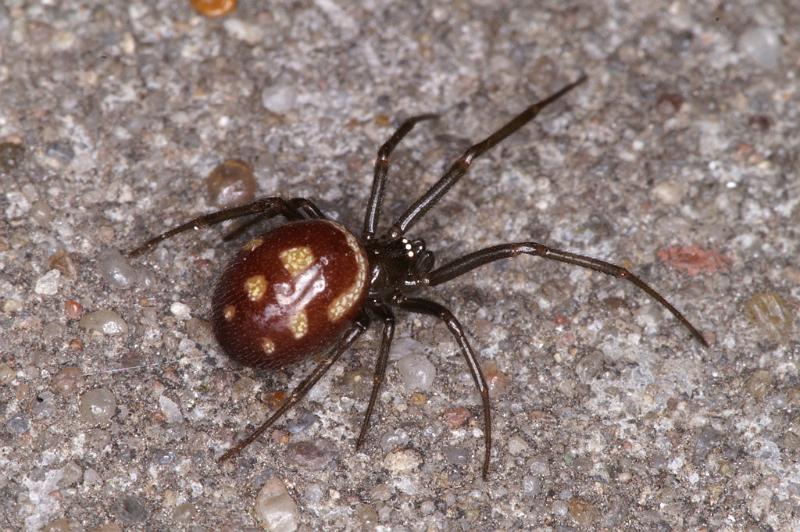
(271, 206)
(302, 208)
(381, 169)
(478, 258)
(424, 306)
(462, 164)
(380, 369)
(361, 325)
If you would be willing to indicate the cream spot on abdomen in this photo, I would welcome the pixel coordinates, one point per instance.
(297, 260)
(255, 287)
(345, 301)
(298, 324)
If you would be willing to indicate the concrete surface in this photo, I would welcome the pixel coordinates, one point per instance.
(678, 159)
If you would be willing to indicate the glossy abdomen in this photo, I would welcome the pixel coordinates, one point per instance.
(289, 293)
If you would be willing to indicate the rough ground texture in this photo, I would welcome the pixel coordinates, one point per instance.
(678, 159)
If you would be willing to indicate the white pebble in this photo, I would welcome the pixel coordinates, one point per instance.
(417, 372)
(279, 99)
(116, 269)
(669, 192)
(47, 284)
(180, 310)
(402, 461)
(249, 33)
(18, 205)
(170, 409)
(105, 322)
(275, 509)
(762, 45)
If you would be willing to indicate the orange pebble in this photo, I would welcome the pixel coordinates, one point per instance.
(213, 8)
(73, 309)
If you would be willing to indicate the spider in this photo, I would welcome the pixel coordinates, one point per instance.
(310, 286)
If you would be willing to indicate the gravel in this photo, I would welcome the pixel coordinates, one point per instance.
(677, 160)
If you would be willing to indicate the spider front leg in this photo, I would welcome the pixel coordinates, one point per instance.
(469, 262)
(381, 169)
(300, 391)
(463, 163)
(424, 306)
(267, 207)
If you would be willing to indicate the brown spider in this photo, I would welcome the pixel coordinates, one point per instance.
(312, 286)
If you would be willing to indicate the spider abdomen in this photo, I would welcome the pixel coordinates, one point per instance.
(289, 293)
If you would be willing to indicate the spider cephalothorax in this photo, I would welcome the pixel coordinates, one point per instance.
(397, 265)
(312, 286)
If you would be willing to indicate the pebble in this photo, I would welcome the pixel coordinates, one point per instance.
(184, 513)
(71, 474)
(41, 213)
(517, 445)
(213, 8)
(759, 384)
(367, 517)
(18, 424)
(200, 331)
(47, 284)
(163, 456)
(182, 311)
(589, 367)
(311, 455)
(402, 460)
(251, 33)
(59, 153)
(279, 99)
(457, 456)
(68, 381)
(11, 156)
(170, 409)
(583, 512)
(394, 439)
(243, 388)
(230, 184)
(669, 104)
(104, 322)
(301, 423)
(456, 417)
(11, 306)
(275, 509)
(98, 406)
(313, 494)
(61, 261)
(116, 269)
(416, 371)
(669, 192)
(7, 374)
(762, 46)
(694, 260)
(130, 510)
(61, 525)
(73, 309)
(357, 383)
(770, 312)
(495, 378)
